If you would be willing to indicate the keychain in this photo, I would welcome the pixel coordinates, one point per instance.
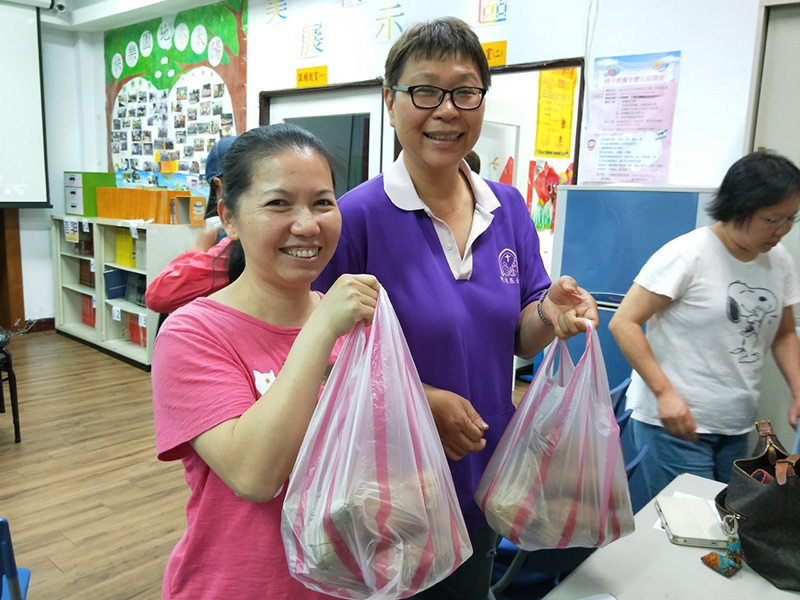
(727, 564)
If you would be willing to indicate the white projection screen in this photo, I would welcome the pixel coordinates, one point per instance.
(23, 163)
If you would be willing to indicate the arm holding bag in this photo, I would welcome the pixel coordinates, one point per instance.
(370, 508)
(557, 478)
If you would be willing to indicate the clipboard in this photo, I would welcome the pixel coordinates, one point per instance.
(690, 522)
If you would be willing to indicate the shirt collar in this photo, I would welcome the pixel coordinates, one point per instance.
(398, 186)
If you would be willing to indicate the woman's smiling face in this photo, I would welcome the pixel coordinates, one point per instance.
(288, 221)
(435, 138)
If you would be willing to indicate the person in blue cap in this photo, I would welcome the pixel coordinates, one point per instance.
(214, 162)
(203, 269)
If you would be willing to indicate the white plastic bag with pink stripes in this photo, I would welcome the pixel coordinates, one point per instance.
(557, 477)
(370, 508)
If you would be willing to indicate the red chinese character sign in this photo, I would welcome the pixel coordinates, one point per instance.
(174, 86)
(632, 105)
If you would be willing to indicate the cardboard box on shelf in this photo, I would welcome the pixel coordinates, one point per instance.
(187, 210)
(156, 205)
(132, 204)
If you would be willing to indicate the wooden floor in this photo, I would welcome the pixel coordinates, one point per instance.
(93, 514)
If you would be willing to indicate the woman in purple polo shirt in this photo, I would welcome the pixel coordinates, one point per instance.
(459, 256)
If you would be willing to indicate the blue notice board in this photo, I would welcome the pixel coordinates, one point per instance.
(604, 235)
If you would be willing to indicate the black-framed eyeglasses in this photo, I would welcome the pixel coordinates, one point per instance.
(431, 96)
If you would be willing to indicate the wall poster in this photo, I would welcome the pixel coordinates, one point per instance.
(631, 108)
(553, 151)
(174, 86)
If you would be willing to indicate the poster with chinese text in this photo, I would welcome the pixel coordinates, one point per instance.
(631, 109)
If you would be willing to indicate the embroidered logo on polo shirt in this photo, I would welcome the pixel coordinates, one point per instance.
(509, 269)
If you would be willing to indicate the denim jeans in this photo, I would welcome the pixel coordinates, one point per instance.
(711, 456)
(472, 580)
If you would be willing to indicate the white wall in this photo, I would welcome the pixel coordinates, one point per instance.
(716, 39)
(72, 66)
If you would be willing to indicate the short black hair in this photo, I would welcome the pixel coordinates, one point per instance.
(757, 180)
(434, 40)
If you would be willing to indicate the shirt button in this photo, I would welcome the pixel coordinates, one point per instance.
(449, 246)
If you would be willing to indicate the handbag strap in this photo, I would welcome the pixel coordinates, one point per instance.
(786, 467)
(768, 442)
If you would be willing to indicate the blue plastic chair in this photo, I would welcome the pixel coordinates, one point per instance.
(622, 420)
(618, 396)
(631, 465)
(15, 580)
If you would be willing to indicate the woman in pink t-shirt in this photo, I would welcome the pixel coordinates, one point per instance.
(236, 375)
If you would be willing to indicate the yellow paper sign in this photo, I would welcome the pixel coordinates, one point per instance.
(554, 112)
(495, 53)
(312, 76)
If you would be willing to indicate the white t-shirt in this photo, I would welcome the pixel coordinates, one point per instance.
(712, 338)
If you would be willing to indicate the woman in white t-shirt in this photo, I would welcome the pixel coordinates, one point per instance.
(715, 301)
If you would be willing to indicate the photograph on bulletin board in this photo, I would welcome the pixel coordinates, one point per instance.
(174, 87)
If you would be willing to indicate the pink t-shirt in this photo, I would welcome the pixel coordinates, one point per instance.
(210, 364)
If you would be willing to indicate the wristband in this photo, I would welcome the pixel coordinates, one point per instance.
(544, 319)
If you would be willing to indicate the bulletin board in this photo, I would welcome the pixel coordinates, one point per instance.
(175, 86)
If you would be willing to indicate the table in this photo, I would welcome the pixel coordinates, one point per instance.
(645, 565)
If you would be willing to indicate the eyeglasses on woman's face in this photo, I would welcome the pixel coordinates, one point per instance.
(779, 222)
(431, 96)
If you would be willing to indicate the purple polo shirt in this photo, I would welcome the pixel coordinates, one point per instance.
(460, 331)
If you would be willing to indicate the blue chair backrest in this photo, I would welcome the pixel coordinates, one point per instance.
(8, 565)
(12, 588)
(618, 396)
(622, 420)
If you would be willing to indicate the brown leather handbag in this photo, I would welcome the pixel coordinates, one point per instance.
(763, 496)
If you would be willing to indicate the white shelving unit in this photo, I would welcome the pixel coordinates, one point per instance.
(111, 331)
